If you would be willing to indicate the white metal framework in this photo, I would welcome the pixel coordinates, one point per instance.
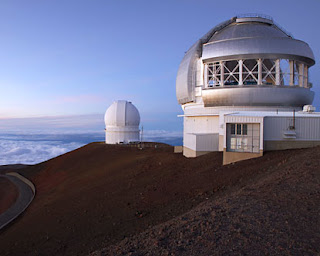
(256, 72)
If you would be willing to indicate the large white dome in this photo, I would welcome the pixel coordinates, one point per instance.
(246, 61)
(122, 121)
(122, 113)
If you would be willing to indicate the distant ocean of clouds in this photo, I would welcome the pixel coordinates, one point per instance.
(34, 140)
(35, 148)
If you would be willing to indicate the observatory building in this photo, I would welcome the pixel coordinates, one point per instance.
(244, 89)
(122, 121)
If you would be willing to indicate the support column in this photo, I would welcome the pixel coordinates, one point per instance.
(259, 71)
(278, 72)
(301, 69)
(221, 73)
(291, 65)
(305, 73)
(205, 78)
(240, 72)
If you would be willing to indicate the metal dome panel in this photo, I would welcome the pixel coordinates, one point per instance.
(243, 30)
(185, 82)
(186, 77)
(121, 114)
(258, 96)
(259, 47)
(241, 38)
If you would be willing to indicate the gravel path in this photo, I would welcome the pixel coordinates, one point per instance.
(25, 197)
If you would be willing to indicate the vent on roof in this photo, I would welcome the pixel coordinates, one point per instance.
(309, 108)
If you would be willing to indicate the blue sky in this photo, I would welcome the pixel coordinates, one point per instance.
(75, 57)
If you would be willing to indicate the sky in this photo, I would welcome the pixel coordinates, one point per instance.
(63, 62)
(75, 57)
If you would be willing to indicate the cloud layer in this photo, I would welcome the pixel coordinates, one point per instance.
(32, 152)
(33, 148)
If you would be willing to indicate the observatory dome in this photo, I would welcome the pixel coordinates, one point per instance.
(246, 61)
(122, 121)
(242, 88)
(122, 113)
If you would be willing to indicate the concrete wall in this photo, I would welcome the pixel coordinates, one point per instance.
(187, 152)
(232, 157)
(201, 142)
(221, 140)
(289, 144)
(178, 149)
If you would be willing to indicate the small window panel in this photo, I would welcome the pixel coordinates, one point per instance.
(244, 129)
(238, 129)
(233, 129)
(239, 143)
(233, 143)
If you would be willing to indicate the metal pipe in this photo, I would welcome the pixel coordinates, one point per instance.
(294, 120)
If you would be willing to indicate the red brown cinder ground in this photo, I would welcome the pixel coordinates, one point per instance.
(135, 202)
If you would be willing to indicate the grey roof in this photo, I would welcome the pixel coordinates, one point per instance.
(247, 29)
(258, 47)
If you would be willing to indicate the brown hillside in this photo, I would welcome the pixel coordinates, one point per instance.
(276, 213)
(97, 195)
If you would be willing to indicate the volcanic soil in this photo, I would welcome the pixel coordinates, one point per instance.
(151, 201)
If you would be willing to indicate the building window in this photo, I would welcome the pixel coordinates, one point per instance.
(242, 129)
(239, 129)
(243, 137)
(233, 129)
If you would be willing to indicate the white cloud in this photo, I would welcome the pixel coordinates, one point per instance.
(33, 147)
(32, 152)
(50, 124)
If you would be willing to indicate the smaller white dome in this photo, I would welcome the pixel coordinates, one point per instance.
(122, 113)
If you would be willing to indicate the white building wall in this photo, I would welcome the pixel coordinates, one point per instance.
(115, 137)
(202, 124)
(190, 141)
(201, 133)
(306, 128)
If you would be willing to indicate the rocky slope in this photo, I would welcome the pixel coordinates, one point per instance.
(151, 201)
(275, 214)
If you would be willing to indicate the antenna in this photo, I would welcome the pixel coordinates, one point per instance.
(141, 137)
